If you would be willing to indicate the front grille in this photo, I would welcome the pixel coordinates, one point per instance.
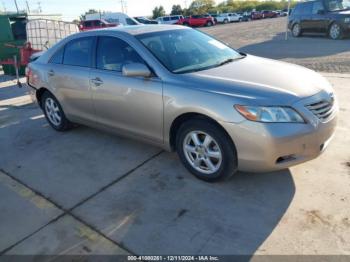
(322, 109)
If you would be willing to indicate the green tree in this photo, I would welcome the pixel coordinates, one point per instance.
(201, 6)
(176, 10)
(158, 11)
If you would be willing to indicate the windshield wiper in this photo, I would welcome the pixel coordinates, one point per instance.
(230, 60)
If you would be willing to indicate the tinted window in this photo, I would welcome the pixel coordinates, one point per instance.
(174, 18)
(166, 18)
(317, 6)
(130, 21)
(57, 57)
(78, 52)
(113, 53)
(88, 23)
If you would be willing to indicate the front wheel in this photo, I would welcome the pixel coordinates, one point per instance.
(206, 150)
(335, 32)
(225, 21)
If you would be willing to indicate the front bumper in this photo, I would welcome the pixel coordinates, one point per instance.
(263, 147)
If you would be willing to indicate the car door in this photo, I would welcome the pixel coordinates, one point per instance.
(133, 105)
(319, 19)
(306, 21)
(68, 77)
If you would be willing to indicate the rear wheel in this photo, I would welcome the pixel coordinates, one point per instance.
(186, 24)
(54, 113)
(296, 30)
(206, 150)
(335, 32)
(209, 23)
(225, 21)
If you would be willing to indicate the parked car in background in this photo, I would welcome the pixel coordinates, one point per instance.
(145, 20)
(223, 18)
(268, 14)
(234, 17)
(256, 15)
(169, 20)
(184, 91)
(215, 17)
(246, 16)
(329, 17)
(113, 18)
(197, 20)
(95, 24)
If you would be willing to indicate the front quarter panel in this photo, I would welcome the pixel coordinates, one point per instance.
(180, 99)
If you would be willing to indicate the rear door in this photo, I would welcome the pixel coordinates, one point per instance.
(68, 76)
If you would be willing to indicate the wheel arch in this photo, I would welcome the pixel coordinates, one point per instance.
(39, 94)
(179, 120)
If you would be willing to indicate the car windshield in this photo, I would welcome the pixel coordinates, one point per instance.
(338, 5)
(187, 50)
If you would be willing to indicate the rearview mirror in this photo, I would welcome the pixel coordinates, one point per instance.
(136, 69)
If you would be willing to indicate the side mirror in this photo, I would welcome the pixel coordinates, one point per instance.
(320, 12)
(136, 69)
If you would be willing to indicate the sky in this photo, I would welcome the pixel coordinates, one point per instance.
(71, 9)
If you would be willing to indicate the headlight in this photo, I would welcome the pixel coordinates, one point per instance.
(270, 114)
(347, 20)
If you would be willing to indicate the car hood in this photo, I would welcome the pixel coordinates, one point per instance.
(261, 80)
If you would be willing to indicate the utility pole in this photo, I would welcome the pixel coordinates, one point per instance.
(123, 5)
(286, 36)
(28, 10)
(16, 5)
(39, 7)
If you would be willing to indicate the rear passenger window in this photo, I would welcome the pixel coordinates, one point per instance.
(317, 6)
(166, 19)
(78, 52)
(57, 57)
(113, 53)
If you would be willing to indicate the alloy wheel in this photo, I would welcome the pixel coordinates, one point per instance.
(335, 31)
(53, 111)
(202, 152)
(296, 30)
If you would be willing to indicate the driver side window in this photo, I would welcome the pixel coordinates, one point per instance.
(113, 53)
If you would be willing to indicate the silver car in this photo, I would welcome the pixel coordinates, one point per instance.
(180, 89)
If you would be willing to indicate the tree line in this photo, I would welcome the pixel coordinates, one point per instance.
(209, 6)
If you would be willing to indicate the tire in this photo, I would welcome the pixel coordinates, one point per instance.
(335, 32)
(296, 30)
(186, 24)
(209, 23)
(54, 113)
(240, 20)
(225, 21)
(212, 162)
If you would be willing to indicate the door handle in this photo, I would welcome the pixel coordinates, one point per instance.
(97, 81)
(51, 73)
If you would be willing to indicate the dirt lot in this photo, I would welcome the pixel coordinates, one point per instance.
(87, 192)
(267, 38)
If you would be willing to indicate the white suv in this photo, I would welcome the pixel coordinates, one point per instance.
(223, 18)
(233, 17)
(169, 20)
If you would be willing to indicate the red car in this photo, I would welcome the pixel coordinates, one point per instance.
(256, 15)
(95, 24)
(268, 14)
(197, 20)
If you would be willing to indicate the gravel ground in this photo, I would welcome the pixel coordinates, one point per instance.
(267, 38)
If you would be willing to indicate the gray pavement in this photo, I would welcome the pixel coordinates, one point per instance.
(88, 192)
(267, 38)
